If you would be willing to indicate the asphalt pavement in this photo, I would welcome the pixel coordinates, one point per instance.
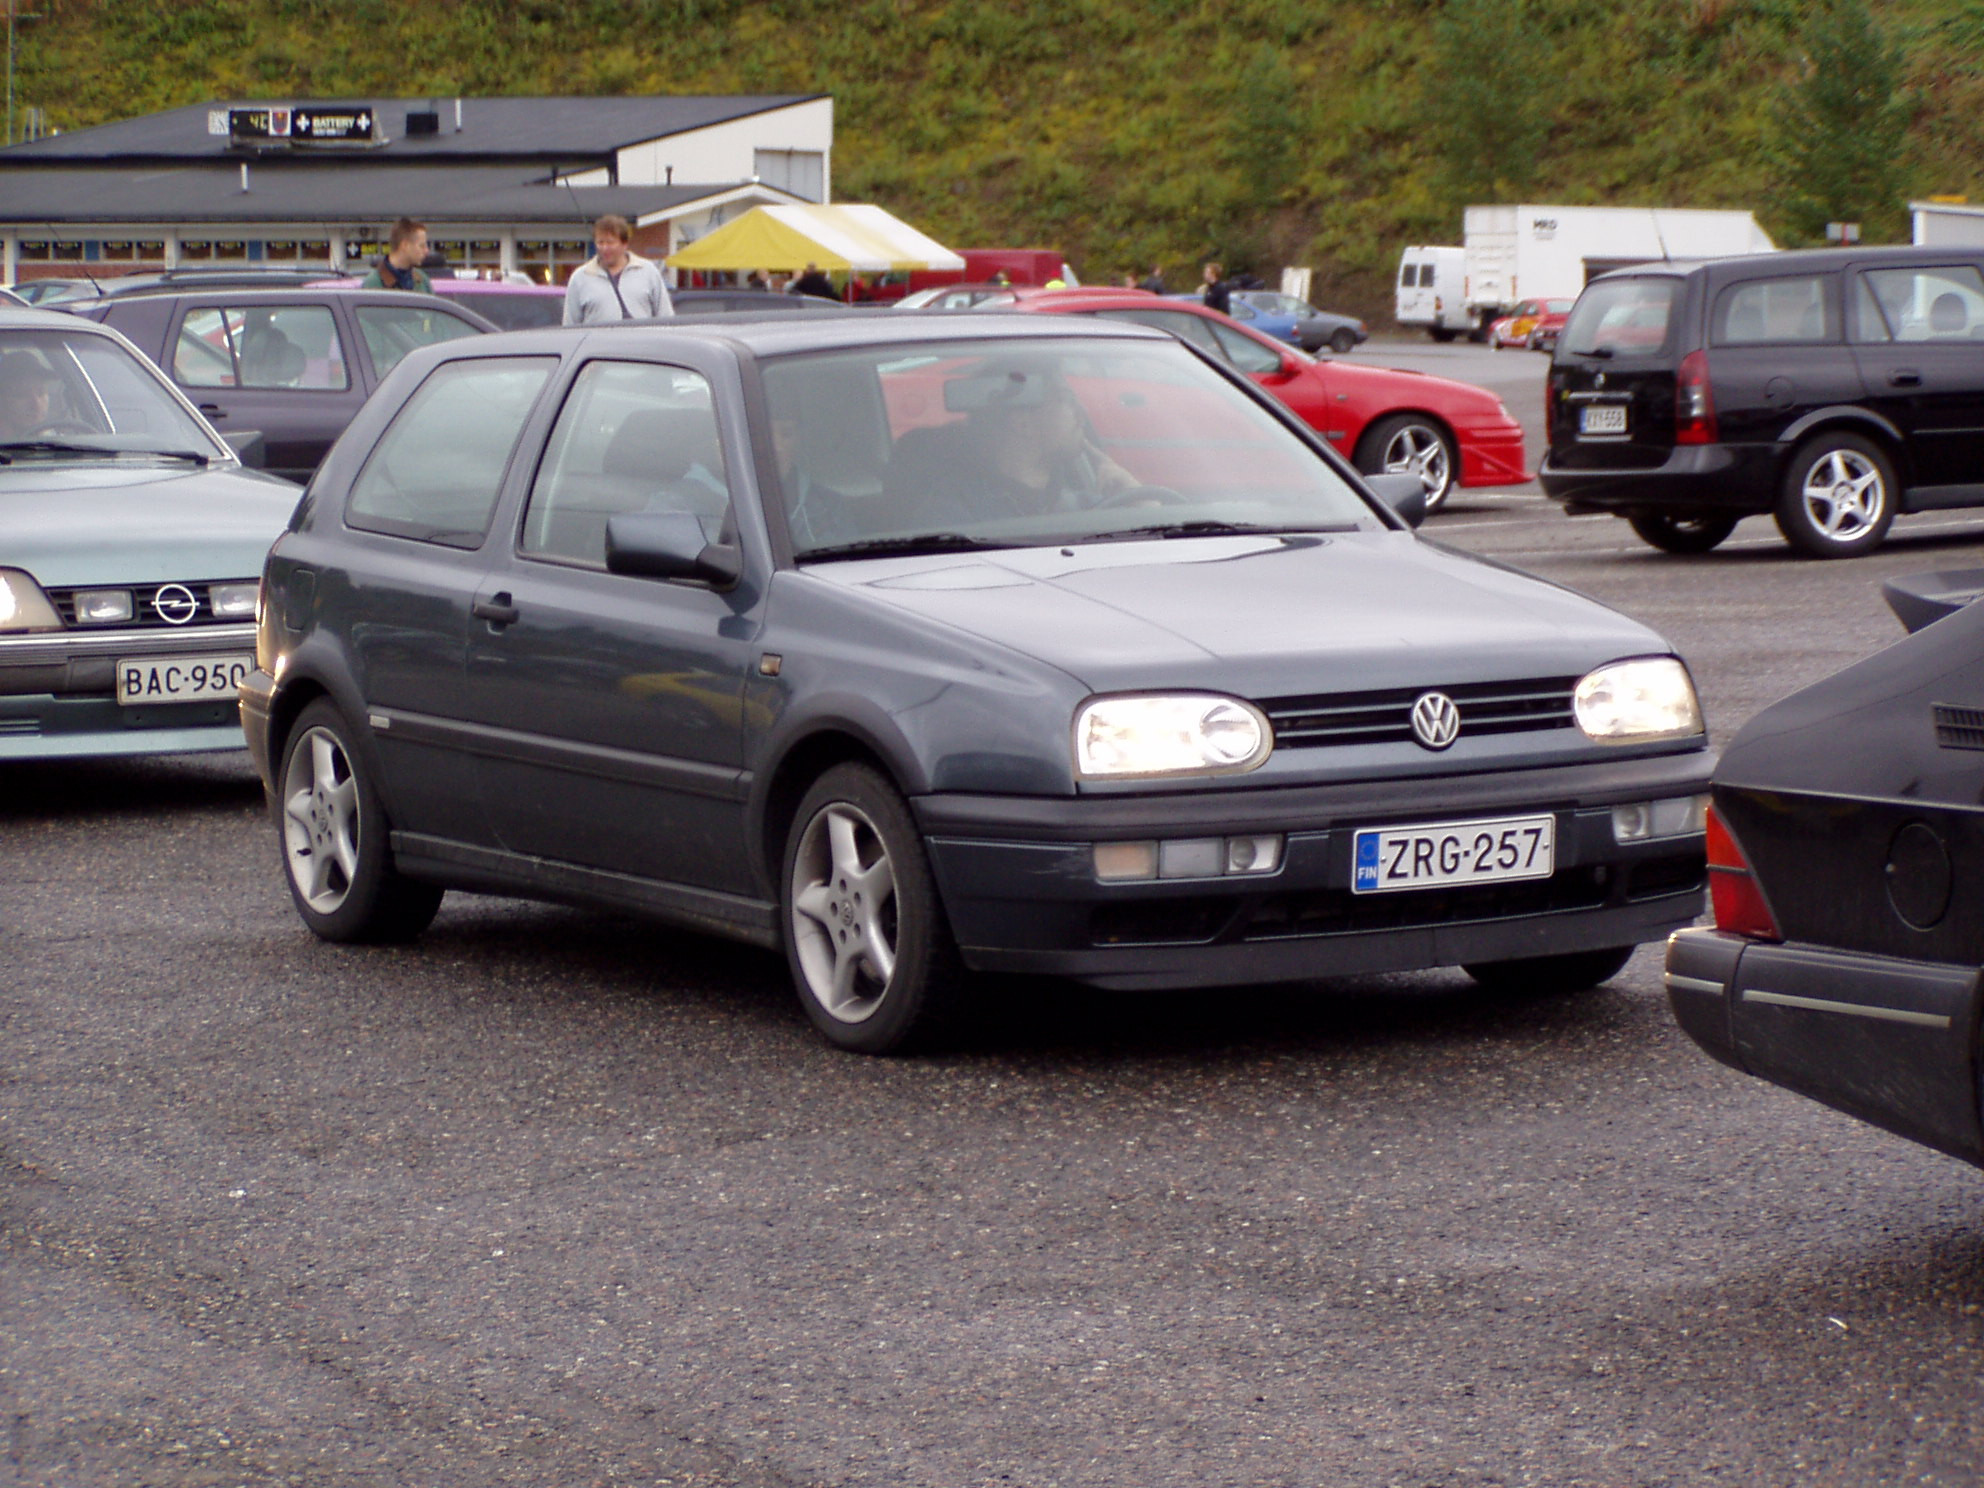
(552, 1197)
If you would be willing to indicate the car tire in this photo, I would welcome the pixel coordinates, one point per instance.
(1676, 534)
(1410, 442)
(866, 937)
(336, 848)
(1343, 341)
(1440, 334)
(1838, 497)
(1552, 976)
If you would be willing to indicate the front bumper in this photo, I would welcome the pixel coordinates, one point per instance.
(58, 695)
(1492, 456)
(1889, 1040)
(1017, 877)
(1694, 479)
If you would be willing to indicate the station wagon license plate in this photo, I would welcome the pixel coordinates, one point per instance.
(1432, 855)
(181, 679)
(1602, 418)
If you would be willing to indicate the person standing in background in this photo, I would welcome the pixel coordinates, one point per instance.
(1217, 295)
(1155, 283)
(616, 283)
(399, 266)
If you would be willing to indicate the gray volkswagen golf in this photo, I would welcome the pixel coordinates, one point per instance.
(921, 649)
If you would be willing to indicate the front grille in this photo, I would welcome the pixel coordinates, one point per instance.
(1385, 717)
(144, 604)
(1959, 728)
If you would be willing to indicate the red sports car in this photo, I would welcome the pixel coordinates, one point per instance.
(1447, 433)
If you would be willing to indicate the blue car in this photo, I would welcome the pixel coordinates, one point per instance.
(1295, 321)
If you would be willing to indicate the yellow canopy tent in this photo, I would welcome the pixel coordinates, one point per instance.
(783, 240)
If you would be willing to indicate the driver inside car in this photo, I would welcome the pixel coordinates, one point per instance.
(1037, 450)
(27, 388)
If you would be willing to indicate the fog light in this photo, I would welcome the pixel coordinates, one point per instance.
(1648, 821)
(1123, 862)
(103, 606)
(1253, 854)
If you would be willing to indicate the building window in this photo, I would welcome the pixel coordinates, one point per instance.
(195, 251)
(802, 172)
(552, 262)
(35, 252)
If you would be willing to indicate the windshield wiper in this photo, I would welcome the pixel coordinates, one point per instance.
(922, 542)
(1220, 529)
(1597, 351)
(13, 447)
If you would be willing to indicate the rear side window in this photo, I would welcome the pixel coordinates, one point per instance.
(281, 346)
(1777, 312)
(435, 473)
(1625, 317)
(1185, 327)
(1925, 304)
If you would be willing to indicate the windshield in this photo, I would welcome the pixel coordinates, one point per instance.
(995, 443)
(1621, 317)
(68, 394)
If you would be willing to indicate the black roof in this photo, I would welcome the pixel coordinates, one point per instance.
(573, 132)
(1799, 260)
(291, 190)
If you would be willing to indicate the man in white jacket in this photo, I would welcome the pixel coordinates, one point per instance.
(616, 283)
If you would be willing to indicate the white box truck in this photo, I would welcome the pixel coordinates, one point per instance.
(1432, 291)
(1534, 253)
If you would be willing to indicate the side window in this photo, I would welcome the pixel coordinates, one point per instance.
(632, 437)
(1777, 311)
(1244, 351)
(1869, 325)
(203, 354)
(435, 473)
(391, 331)
(1931, 304)
(287, 346)
(1185, 327)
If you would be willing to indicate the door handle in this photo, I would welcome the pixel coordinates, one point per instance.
(1904, 377)
(213, 410)
(497, 609)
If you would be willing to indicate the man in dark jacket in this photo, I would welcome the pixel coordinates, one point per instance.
(1217, 295)
(399, 267)
(814, 283)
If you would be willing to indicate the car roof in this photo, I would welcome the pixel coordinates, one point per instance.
(249, 296)
(1797, 261)
(782, 335)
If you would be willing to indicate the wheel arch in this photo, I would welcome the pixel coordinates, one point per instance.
(800, 761)
(1848, 419)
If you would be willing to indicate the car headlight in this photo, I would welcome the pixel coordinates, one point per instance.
(1178, 734)
(233, 601)
(1631, 702)
(22, 604)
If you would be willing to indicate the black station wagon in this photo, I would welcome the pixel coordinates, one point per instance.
(925, 647)
(1832, 389)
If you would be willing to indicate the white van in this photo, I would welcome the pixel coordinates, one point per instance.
(1432, 291)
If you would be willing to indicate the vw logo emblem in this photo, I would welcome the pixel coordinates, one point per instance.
(1435, 720)
(175, 604)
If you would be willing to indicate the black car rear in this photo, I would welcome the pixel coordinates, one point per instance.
(1832, 390)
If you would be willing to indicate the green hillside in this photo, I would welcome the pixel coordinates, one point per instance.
(1266, 132)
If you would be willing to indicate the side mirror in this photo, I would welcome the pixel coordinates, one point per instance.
(1404, 493)
(669, 545)
(1922, 599)
(249, 447)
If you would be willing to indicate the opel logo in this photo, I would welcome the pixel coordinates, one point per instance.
(175, 604)
(1598, 381)
(1435, 720)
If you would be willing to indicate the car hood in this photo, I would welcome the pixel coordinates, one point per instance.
(1260, 616)
(84, 523)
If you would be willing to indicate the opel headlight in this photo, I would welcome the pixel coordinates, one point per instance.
(1632, 702)
(1181, 734)
(22, 604)
(233, 601)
